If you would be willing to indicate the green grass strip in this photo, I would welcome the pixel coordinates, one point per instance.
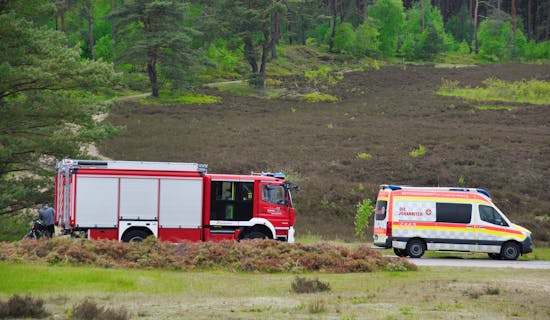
(524, 91)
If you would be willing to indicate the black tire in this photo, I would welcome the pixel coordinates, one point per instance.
(135, 236)
(510, 251)
(415, 248)
(399, 252)
(254, 235)
(495, 256)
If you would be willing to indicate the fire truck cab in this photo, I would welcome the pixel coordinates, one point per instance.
(131, 200)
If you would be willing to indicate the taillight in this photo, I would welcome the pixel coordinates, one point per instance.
(388, 229)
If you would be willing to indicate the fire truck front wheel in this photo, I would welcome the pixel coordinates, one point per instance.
(415, 248)
(254, 235)
(135, 235)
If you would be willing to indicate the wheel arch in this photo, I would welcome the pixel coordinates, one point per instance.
(142, 229)
(256, 228)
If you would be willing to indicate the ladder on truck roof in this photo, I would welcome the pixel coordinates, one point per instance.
(65, 165)
(459, 189)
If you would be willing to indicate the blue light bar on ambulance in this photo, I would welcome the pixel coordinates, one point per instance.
(485, 192)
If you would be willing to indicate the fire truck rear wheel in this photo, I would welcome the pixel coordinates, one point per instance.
(135, 236)
(415, 248)
(510, 251)
(495, 256)
(399, 252)
(254, 235)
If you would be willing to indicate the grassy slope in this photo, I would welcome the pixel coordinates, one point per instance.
(385, 112)
(442, 293)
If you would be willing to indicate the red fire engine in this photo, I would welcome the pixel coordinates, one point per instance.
(131, 200)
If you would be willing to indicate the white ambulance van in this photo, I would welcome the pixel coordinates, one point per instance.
(412, 220)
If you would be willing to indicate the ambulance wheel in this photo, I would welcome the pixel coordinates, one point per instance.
(399, 252)
(495, 256)
(510, 251)
(135, 236)
(415, 248)
(254, 235)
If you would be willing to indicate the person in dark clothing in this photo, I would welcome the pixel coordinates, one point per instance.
(46, 214)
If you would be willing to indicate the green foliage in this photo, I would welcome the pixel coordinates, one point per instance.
(494, 107)
(367, 40)
(534, 50)
(497, 41)
(344, 38)
(525, 91)
(323, 75)
(172, 97)
(459, 26)
(390, 16)
(225, 60)
(418, 44)
(418, 152)
(45, 109)
(318, 97)
(151, 34)
(364, 211)
(363, 155)
(15, 225)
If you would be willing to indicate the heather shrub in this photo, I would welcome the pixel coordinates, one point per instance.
(305, 285)
(89, 310)
(22, 307)
(248, 256)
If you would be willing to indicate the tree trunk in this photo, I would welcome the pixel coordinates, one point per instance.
(462, 8)
(303, 30)
(90, 16)
(152, 71)
(475, 26)
(333, 32)
(514, 20)
(470, 8)
(275, 34)
(113, 26)
(361, 10)
(548, 24)
(63, 29)
(423, 15)
(265, 52)
(249, 54)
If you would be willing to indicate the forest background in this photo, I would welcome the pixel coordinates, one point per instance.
(61, 60)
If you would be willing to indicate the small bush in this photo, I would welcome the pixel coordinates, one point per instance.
(89, 310)
(316, 306)
(363, 155)
(22, 307)
(318, 97)
(364, 211)
(492, 291)
(304, 285)
(420, 151)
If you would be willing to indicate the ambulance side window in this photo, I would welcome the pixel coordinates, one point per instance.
(380, 211)
(489, 214)
(453, 212)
